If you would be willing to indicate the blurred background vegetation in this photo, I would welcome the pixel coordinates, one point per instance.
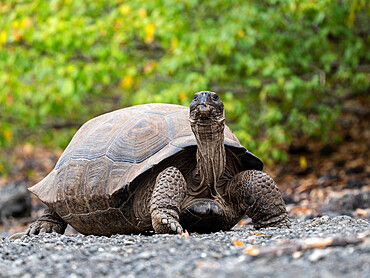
(282, 68)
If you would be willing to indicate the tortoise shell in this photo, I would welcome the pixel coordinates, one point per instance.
(109, 157)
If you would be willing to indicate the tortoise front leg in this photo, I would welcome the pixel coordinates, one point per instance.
(168, 194)
(49, 222)
(255, 194)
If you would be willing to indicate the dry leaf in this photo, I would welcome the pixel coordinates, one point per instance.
(302, 210)
(150, 66)
(238, 242)
(297, 254)
(259, 234)
(318, 242)
(252, 251)
(241, 222)
(185, 234)
(362, 212)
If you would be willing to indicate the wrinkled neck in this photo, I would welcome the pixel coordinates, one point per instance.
(211, 156)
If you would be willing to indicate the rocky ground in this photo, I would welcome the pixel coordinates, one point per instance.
(321, 247)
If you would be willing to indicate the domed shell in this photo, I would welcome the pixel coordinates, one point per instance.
(108, 152)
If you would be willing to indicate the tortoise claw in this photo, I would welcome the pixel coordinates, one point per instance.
(37, 228)
(49, 222)
(281, 221)
(32, 229)
(17, 235)
(41, 226)
(165, 222)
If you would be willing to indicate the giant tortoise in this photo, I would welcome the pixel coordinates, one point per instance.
(160, 167)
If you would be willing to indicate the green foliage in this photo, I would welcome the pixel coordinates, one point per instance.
(280, 66)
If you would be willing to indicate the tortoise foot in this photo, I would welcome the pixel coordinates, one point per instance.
(164, 222)
(260, 198)
(38, 227)
(49, 222)
(165, 203)
(281, 221)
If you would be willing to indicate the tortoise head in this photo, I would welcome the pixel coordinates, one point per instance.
(206, 107)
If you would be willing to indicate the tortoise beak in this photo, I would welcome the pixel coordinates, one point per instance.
(204, 111)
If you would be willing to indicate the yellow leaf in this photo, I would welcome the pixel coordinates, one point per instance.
(8, 134)
(240, 33)
(174, 43)
(149, 33)
(259, 234)
(16, 24)
(118, 23)
(26, 22)
(182, 96)
(303, 162)
(142, 12)
(238, 242)
(124, 9)
(2, 37)
(127, 81)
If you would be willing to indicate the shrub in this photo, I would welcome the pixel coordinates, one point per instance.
(281, 67)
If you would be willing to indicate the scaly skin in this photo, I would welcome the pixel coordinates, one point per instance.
(255, 194)
(168, 194)
(49, 222)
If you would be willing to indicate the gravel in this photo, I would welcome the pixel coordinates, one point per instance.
(321, 247)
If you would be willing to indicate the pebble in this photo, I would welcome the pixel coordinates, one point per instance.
(208, 255)
(318, 254)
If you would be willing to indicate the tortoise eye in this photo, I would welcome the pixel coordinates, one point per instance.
(215, 97)
(195, 97)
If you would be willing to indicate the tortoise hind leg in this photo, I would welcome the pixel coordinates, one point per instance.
(165, 203)
(49, 222)
(256, 195)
